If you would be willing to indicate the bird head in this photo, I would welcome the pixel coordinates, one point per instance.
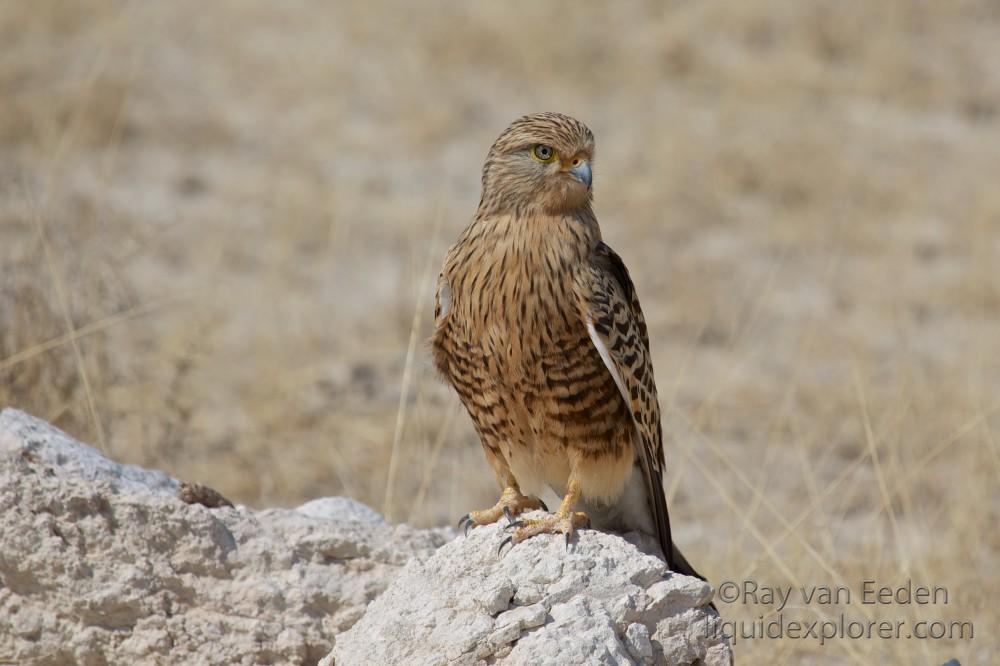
(541, 163)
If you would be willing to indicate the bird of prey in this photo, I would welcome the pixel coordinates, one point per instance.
(539, 330)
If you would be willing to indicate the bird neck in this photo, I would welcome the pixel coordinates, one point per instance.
(513, 205)
(505, 267)
(535, 234)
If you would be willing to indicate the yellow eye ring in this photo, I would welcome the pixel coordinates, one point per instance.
(544, 154)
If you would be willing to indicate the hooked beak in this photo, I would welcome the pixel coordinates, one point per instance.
(582, 173)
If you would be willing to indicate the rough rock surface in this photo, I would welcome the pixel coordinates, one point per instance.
(600, 602)
(101, 563)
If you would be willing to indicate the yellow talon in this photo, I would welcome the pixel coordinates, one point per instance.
(564, 521)
(511, 504)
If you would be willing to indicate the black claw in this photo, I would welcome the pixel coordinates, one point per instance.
(515, 524)
(508, 540)
(466, 523)
(507, 514)
(544, 507)
(567, 540)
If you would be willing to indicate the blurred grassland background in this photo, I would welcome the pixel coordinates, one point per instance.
(220, 225)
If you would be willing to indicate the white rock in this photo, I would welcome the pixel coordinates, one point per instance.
(101, 563)
(601, 602)
(341, 508)
(637, 642)
(37, 441)
(524, 617)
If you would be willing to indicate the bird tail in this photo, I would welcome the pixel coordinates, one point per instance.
(675, 559)
(681, 565)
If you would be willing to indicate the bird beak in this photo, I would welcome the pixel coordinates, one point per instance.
(582, 173)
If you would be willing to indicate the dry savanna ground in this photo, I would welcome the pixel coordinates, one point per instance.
(220, 225)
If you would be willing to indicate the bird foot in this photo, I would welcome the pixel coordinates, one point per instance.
(510, 505)
(566, 524)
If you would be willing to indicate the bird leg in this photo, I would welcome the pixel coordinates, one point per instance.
(564, 521)
(511, 503)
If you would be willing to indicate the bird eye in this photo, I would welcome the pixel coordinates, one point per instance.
(543, 153)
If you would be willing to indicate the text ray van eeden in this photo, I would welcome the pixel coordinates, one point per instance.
(750, 592)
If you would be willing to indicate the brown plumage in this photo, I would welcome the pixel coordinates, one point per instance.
(538, 328)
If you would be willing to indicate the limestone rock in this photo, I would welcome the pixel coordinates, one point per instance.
(101, 563)
(603, 601)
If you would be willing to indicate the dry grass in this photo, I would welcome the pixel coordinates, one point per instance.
(217, 222)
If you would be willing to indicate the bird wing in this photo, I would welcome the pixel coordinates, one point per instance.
(442, 298)
(618, 330)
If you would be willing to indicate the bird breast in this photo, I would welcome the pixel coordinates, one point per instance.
(511, 283)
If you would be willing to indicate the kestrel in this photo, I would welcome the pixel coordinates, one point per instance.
(538, 328)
